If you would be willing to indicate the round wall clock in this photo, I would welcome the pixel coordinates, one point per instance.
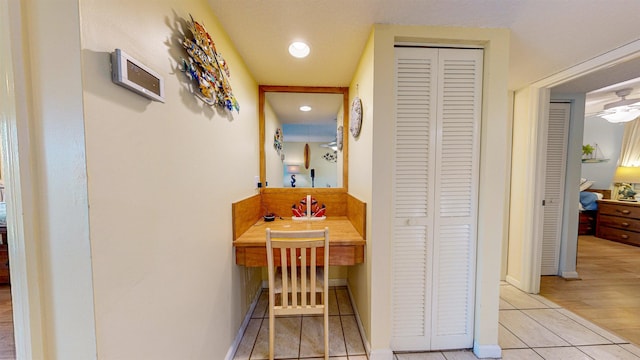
(339, 136)
(355, 118)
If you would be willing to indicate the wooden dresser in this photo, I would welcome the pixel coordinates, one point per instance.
(4, 257)
(619, 221)
(587, 222)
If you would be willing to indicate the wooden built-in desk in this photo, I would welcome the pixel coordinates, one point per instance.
(346, 227)
(346, 246)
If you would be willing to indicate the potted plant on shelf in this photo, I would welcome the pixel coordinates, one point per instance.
(587, 151)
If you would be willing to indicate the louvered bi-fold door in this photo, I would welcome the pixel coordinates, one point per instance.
(435, 192)
(557, 138)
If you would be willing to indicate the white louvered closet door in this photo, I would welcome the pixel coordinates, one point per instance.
(438, 103)
(557, 139)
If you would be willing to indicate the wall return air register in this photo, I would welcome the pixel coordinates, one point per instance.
(135, 76)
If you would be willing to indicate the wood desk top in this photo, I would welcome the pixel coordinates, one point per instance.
(346, 244)
(341, 231)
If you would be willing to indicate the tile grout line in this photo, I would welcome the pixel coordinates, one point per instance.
(573, 321)
(514, 335)
(577, 347)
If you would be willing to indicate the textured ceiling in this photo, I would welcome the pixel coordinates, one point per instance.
(546, 36)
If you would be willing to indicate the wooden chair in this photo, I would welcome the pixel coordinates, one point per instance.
(298, 275)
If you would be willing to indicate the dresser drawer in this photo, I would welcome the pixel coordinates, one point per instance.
(624, 236)
(586, 229)
(619, 222)
(4, 265)
(587, 223)
(619, 209)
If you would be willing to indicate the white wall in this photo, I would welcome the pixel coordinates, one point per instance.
(608, 136)
(273, 161)
(161, 180)
(361, 179)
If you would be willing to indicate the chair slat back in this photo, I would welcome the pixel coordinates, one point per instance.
(294, 248)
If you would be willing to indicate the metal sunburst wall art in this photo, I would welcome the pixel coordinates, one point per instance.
(206, 67)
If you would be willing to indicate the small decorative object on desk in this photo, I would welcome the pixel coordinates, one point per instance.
(303, 209)
(269, 217)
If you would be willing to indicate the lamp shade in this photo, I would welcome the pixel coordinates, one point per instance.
(293, 169)
(627, 174)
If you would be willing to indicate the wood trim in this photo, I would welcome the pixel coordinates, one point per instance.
(345, 140)
(245, 213)
(357, 214)
(308, 89)
(261, 135)
(339, 255)
(280, 200)
(346, 219)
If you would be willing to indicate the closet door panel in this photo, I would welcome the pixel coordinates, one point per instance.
(456, 181)
(435, 190)
(413, 194)
(557, 140)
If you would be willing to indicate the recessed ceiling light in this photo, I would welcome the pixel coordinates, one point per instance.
(299, 49)
(305, 108)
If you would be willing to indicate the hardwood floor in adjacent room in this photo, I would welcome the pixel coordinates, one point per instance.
(7, 343)
(608, 292)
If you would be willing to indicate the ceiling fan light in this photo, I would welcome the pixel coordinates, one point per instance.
(621, 114)
(622, 104)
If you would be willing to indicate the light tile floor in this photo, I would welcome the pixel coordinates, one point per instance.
(530, 327)
(300, 337)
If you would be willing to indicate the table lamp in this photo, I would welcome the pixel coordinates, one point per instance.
(624, 178)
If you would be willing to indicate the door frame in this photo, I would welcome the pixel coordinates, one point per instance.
(540, 96)
(24, 268)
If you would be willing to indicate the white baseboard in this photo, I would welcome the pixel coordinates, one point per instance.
(236, 342)
(365, 341)
(570, 275)
(339, 282)
(381, 354)
(487, 351)
(513, 281)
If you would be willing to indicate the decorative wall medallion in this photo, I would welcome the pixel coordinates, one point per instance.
(339, 137)
(355, 118)
(277, 140)
(206, 67)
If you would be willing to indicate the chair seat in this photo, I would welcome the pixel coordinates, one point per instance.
(319, 281)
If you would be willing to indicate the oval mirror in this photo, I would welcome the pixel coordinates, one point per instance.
(303, 147)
